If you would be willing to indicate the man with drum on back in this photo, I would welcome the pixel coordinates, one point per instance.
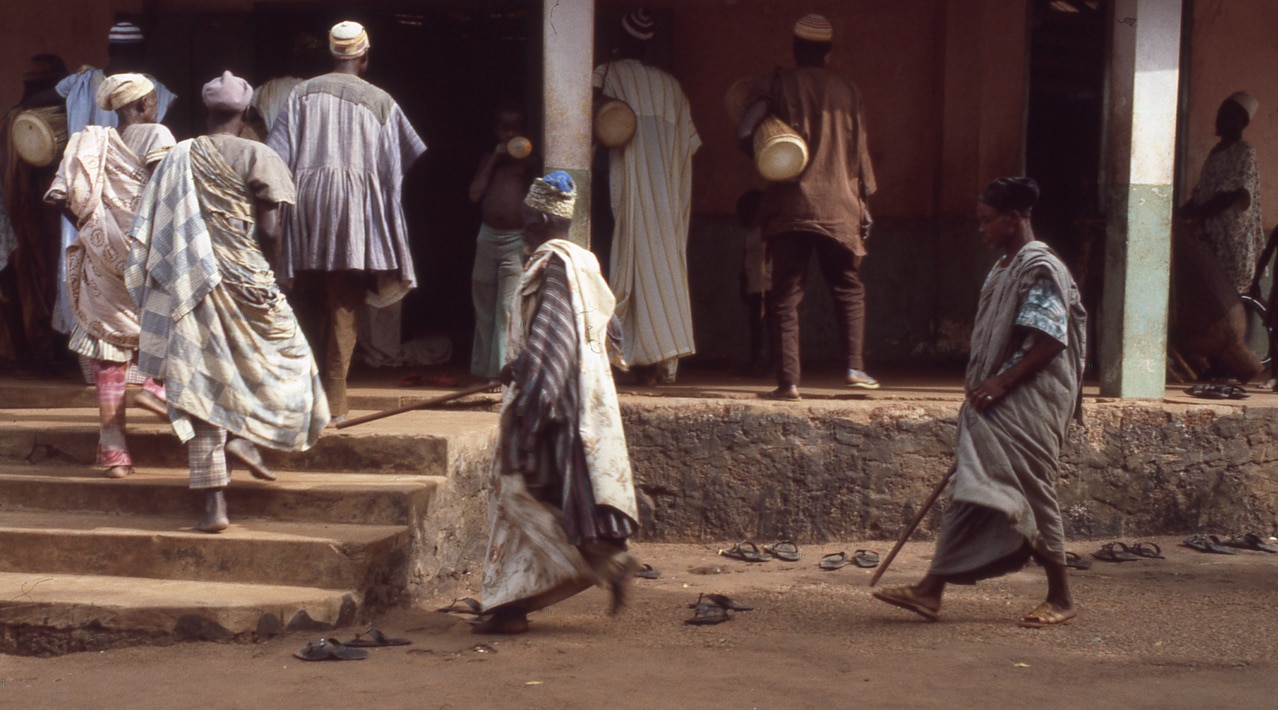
(824, 210)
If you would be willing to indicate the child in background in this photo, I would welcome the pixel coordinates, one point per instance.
(499, 187)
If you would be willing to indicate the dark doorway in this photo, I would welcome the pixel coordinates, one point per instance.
(1064, 137)
(448, 65)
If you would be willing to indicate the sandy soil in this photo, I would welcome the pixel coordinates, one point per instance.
(1193, 630)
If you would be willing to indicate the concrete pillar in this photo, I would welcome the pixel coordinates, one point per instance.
(1143, 92)
(568, 48)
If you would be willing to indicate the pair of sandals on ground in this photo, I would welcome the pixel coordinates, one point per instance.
(1226, 546)
(1218, 391)
(787, 551)
(330, 649)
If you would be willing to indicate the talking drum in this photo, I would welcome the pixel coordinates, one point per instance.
(615, 123)
(39, 135)
(780, 154)
(519, 147)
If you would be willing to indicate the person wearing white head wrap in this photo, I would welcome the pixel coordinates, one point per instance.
(103, 173)
(561, 492)
(1226, 200)
(346, 242)
(125, 48)
(120, 90)
(651, 179)
(216, 325)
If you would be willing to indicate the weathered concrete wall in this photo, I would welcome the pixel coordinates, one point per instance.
(718, 470)
(920, 303)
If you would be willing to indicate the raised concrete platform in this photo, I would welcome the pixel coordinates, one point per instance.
(394, 510)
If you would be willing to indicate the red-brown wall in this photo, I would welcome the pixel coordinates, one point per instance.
(1233, 47)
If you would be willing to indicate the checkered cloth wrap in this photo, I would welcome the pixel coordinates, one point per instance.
(215, 326)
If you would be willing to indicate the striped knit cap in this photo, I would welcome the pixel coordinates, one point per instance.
(124, 33)
(554, 194)
(639, 24)
(814, 28)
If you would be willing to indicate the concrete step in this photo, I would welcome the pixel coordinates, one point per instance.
(46, 614)
(424, 443)
(296, 496)
(72, 393)
(254, 551)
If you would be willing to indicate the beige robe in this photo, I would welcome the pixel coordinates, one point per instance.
(101, 177)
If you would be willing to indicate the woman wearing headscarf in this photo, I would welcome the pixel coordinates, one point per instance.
(103, 173)
(1023, 383)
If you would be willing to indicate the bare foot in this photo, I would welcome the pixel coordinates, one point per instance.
(503, 621)
(119, 472)
(214, 520)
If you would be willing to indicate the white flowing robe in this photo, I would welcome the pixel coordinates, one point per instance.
(651, 185)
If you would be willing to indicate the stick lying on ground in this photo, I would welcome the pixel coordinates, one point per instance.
(474, 389)
(914, 524)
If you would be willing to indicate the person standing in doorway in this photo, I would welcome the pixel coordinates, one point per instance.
(823, 212)
(345, 241)
(651, 184)
(499, 186)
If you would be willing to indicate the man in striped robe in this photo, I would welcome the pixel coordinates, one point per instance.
(650, 180)
(561, 495)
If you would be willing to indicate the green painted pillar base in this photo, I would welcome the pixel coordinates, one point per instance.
(1133, 318)
(580, 233)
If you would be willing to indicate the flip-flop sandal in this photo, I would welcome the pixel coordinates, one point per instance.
(781, 395)
(1073, 561)
(648, 572)
(327, 649)
(707, 614)
(904, 598)
(374, 638)
(785, 551)
(1206, 543)
(865, 559)
(1043, 616)
(1233, 392)
(719, 600)
(745, 551)
(1249, 541)
(464, 605)
(1206, 392)
(1148, 549)
(835, 560)
(1115, 552)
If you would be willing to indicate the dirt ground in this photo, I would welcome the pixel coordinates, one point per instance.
(1194, 630)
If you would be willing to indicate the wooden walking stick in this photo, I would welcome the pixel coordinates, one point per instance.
(914, 524)
(475, 389)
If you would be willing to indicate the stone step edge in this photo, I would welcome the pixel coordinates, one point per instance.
(52, 614)
(266, 530)
(373, 499)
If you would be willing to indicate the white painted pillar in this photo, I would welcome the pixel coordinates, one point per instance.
(1144, 87)
(568, 47)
